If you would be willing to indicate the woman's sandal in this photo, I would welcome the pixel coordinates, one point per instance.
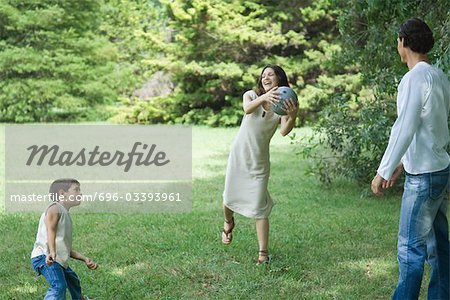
(227, 235)
(265, 255)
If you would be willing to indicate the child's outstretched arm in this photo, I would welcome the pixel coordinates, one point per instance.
(51, 223)
(89, 262)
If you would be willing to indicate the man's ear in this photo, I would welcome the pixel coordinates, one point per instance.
(61, 192)
(402, 41)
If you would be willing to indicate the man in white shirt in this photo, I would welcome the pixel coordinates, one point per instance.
(417, 144)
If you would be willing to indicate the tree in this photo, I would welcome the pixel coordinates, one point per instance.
(217, 48)
(53, 65)
(137, 30)
(352, 132)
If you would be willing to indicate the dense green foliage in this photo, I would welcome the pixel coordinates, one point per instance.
(355, 128)
(136, 28)
(60, 60)
(215, 51)
(71, 60)
(52, 64)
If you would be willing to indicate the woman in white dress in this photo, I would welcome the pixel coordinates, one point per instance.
(248, 166)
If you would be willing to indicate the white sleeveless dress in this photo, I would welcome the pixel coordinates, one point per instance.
(248, 166)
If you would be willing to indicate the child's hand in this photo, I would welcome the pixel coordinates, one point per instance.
(49, 259)
(90, 264)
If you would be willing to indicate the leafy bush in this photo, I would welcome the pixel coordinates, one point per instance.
(353, 128)
(214, 51)
(52, 65)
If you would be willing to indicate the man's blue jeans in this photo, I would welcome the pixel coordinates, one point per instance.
(59, 279)
(423, 235)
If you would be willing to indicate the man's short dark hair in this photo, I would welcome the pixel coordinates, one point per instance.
(416, 35)
(61, 184)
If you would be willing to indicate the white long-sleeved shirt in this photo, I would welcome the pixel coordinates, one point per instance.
(420, 133)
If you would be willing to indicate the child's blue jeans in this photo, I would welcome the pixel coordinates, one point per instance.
(59, 279)
(423, 235)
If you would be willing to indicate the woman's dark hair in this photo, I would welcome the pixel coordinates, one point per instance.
(416, 35)
(61, 184)
(279, 72)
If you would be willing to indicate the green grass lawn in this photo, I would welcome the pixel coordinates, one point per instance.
(326, 243)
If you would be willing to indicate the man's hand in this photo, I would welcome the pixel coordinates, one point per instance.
(50, 259)
(397, 172)
(90, 263)
(377, 183)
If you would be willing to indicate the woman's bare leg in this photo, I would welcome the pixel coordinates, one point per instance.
(262, 231)
(228, 225)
